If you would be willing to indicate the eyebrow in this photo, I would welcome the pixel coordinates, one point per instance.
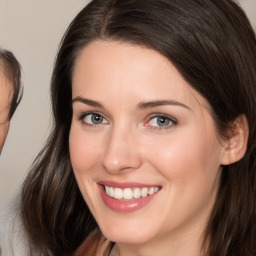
(87, 102)
(141, 105)
(157, 103)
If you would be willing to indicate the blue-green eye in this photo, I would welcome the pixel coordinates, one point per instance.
(94, 118)
(161, 121)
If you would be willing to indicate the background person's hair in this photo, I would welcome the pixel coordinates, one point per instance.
(212, 44)
(12, 71)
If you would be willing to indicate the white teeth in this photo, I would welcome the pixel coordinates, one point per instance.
(111, 192)
(130, 193)
(118, 193)
(136, 193)
(127, 194)
(151, 191)
(144, 192)
(107, 190)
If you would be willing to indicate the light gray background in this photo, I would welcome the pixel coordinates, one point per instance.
(32, 29)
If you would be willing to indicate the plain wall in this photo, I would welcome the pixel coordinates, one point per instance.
(32, 29)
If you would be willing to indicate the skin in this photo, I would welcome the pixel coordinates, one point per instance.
(184, 158)
(5, 102)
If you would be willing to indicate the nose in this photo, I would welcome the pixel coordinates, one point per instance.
(121, 153)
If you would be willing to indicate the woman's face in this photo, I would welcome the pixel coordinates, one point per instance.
(143, 145)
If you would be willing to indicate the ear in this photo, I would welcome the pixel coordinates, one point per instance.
(236, 144)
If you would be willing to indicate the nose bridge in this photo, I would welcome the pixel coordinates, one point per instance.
(120, 152)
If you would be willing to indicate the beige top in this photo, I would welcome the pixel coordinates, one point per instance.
(97, 245)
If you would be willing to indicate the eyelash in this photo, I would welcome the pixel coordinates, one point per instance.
(171, 121)
(84, 115)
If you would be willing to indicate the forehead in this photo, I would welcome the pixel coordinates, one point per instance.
(105, 67)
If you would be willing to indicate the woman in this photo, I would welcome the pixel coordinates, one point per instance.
(153, 146)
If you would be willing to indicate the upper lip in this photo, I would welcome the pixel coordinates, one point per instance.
(125, 184)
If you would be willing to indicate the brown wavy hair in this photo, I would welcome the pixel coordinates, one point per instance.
(213, 45)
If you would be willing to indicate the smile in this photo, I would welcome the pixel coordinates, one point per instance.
(130, 193)
(127, 197)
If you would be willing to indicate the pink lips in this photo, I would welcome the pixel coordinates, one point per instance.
(123, 205)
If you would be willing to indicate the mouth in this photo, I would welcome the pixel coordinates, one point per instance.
(126, 197)
(130, 193)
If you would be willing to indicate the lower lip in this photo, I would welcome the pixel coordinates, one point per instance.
(125, 206)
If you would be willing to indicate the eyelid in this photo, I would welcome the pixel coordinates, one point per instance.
(84, 114)
(87, 112)
(155, 115)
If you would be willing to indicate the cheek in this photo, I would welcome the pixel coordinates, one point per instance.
(189, 167)
(83, 150)
(185, 158)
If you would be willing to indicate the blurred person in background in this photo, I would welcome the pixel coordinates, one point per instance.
(10, 91)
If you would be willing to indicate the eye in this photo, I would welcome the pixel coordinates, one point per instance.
(93, 119)
(161, 121)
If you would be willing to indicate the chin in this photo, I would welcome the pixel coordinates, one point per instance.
(129, 235)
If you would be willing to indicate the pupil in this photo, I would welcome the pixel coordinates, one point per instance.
(96, 119)
(161, 121)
